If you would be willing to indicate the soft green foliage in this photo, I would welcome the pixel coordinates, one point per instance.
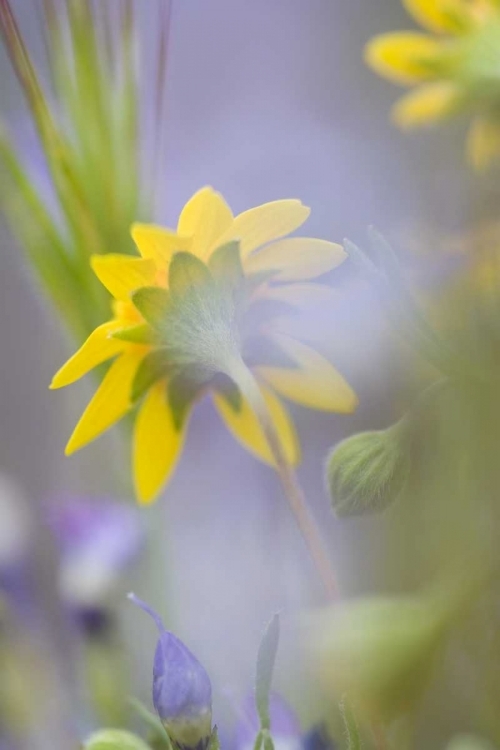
(367, 472)
(469, 742)
(351, 729)
(266, 658)
(379, 651)
(115, 739)
(90, 137)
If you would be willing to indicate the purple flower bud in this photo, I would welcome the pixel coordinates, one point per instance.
(182, 692)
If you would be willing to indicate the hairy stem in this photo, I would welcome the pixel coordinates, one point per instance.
(289, 481)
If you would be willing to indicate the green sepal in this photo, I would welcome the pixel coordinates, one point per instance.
(225, 264)
(153, 367)
(228, 389)
(182, 389)
(266, 658)
(187, 272)
(214, 742)
(153, 303)
(139, 334)
(261, 351)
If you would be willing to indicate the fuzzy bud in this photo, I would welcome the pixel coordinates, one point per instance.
(367, 472)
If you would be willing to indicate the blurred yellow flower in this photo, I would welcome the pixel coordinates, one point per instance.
(455, 68)
(196, 301)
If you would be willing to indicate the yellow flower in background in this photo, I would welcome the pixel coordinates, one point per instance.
(454, 68)
(197, 301)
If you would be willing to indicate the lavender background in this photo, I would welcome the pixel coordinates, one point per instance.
(266, 99)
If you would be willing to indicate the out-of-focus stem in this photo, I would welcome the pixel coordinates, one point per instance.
(289, 481)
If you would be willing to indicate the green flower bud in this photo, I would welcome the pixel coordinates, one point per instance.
(115, 739)
(367, 472)
(379, 651)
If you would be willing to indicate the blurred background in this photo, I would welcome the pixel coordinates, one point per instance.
(264, 101)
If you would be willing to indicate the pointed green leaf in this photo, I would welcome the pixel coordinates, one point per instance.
(225, 264)
(153, 303)
(187, 272)
(140, 334)
(266, 658)
(153, 367)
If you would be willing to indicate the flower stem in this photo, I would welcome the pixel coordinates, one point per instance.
(288, 478)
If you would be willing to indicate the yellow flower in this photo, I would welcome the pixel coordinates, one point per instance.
(197, 300)
(455, 68)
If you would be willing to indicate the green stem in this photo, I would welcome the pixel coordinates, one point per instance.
(242, 375)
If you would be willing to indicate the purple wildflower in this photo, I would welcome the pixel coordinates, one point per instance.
(98, 541)
(182, 692)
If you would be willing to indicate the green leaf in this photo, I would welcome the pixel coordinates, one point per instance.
(153, 303)
(140, 334)
(266, 658)
(153, 367)
(187, 272)
(225, 264)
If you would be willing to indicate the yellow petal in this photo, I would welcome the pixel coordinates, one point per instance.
(260, 225)
(483, 143)
(296, 258)
(110, 402)
(443, 16)
(315, 383)
(97, 348)
(426, 105)
(123, 274)
(246, 428)
(404, 57)
(205, 217)
(157, 444)
(158, 243)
